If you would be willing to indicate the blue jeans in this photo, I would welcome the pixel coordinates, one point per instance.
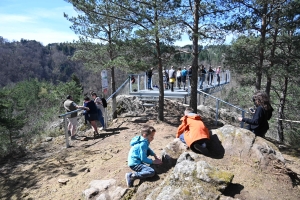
(142, 171)
(100, 117)
(202, 79)
(181, 137)
(149, 83)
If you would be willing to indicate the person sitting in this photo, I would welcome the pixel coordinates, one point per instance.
(193, 132)
(259, 123)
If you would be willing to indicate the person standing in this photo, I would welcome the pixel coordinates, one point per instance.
(202, 76)
(172, 76)
(166, 79)
(178, 77)
(138, 156)
(149, 74)
(100, 109)
(92, 113)
(183, 77)
(259, 123)
(210, 76)
(70, 105)
(218, 71)
(190, 74)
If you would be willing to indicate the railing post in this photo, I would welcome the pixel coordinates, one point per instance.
(138, 83)
(217, 111)
(66, 132)
(145, 81)
(130, 84)
(243, 115)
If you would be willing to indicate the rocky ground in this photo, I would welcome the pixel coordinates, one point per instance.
(50, 171)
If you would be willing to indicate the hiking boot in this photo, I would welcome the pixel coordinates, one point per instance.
(129, 180)
(201, 149)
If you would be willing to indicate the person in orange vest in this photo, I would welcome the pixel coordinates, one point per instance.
(193, 132)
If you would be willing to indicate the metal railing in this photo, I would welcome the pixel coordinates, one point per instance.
(206, 81)
(217, 107)
(66, 124)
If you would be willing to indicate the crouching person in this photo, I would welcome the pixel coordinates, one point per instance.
(193, 132)
(138, 156)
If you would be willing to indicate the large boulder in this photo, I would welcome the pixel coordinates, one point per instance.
(233, 151)
(190, 179)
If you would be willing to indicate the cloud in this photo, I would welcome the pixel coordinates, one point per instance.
(45, 36)
(10, 19)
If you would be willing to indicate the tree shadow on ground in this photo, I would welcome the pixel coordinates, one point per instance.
(15, 181)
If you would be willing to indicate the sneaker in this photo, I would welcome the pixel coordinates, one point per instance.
(128, 179)
(201, 149)
(101, 128)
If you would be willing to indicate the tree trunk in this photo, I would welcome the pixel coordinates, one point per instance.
(113, 82)
(272, 60)
(161, 84)
(262, 47)
(193, 102)
(281, 110)
(160, 76)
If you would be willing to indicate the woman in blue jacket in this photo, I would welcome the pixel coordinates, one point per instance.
(259, 123)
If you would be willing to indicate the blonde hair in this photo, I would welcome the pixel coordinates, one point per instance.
(147, 130)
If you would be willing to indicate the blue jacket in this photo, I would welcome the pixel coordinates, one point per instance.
(139, 151)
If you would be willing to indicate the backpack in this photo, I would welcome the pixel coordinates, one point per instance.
(184, 72)
(104, 102)
(166, 74)
(173, 74)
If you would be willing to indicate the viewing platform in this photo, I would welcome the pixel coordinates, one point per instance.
(209, 83)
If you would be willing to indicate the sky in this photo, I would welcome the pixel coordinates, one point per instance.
(41, 20)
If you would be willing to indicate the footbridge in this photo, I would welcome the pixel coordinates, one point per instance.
(208, 83)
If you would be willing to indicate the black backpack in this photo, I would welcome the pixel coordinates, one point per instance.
(166, 74)
(104, 102)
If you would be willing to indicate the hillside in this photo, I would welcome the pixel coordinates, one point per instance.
(36, 174)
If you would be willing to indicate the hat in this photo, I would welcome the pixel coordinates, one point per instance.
(69, 97)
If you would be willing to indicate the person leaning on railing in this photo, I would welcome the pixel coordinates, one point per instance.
(70, 105)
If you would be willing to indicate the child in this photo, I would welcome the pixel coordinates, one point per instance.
(138, 156)
(193, 132)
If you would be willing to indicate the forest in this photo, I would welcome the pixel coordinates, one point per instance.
(132, 36)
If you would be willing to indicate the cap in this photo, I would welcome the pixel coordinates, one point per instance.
(69, 97)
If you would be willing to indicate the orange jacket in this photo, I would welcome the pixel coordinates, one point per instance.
(193, 128)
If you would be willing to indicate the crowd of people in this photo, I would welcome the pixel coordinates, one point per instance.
(182, 75)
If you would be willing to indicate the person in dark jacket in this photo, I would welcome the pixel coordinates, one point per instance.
(149, 75)
(92, 113)
(259, 123)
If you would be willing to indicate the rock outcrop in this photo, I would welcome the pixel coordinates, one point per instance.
(187, 175)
